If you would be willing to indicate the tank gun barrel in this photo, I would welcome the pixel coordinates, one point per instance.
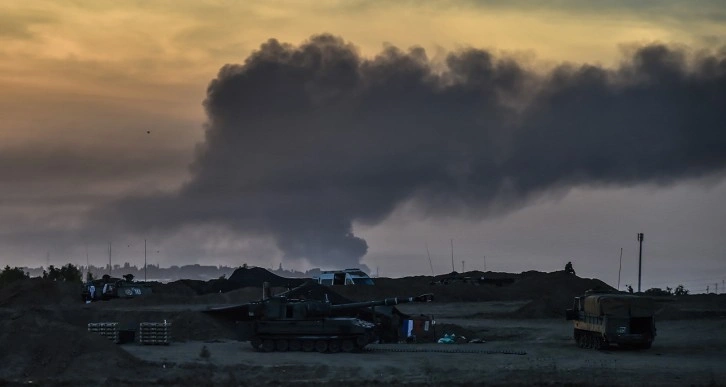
(428, 297)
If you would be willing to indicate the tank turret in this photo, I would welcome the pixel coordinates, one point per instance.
(286, 324)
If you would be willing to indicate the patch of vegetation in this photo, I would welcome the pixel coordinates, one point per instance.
(67, 273)
(9, 275)
(680, 290)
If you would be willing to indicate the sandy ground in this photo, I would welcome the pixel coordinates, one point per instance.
(551, 358)
(44, 341)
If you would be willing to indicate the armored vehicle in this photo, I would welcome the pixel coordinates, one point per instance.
(108, 288)
(618, 319)
(283, 324)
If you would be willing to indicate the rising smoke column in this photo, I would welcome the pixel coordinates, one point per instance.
(302, 141)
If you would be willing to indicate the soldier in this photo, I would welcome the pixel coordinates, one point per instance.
(91, 292)
(569, 269)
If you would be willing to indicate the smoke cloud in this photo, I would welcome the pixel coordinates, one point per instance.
(303, 140)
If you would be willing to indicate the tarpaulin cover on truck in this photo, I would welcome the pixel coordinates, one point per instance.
(619, 305)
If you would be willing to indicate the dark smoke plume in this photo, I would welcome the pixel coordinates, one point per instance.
(304, 140)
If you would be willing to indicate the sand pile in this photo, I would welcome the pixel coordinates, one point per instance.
(255, 276)
(36, 347)
(551, 293)
(37, 291)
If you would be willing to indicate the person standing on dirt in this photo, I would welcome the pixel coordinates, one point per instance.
(92, 292)
(569, 269)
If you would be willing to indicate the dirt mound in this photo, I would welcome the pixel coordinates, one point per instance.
(255, 276)
(37, 291)
(36, 347)
(551, 293)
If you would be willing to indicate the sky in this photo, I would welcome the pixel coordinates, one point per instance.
(369, 134)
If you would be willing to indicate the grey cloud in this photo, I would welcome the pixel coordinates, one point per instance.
(302, 141)
(49, 164)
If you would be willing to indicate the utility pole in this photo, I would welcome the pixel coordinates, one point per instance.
(452, 256)
(485, 263)
(620, 269)
(88, 265)
(640, 258)
(144, 260)
(109, 259)
(463, 268)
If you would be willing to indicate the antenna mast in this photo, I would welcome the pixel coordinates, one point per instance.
(430, 263)
(640, 258)
(620, 269)
(109, 259)
(452, 256)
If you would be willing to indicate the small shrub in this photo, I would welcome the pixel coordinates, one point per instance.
(204, 353)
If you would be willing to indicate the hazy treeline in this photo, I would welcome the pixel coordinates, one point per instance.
(155, 272)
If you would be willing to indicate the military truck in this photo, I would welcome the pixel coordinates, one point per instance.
(604, 319)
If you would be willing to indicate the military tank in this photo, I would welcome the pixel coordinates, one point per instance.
(285, 324)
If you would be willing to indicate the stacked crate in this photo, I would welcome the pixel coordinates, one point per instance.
(155, 333)
(108, 330)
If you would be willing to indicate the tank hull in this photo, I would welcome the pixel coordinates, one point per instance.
(321, 335)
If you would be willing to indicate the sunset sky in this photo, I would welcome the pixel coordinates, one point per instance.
(530, 133)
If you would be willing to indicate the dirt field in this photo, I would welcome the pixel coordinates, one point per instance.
(551, 358)
(44, 340)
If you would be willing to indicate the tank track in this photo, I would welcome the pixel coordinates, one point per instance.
(322, 345)
(589, 340)
(336, 345)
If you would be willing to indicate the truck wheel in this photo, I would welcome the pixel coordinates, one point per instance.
(267, 345)
(644, 345)
(588, 340)
(347, 346)
(334, 346)
(281, 345)
(256, 342)
(321, 346)
(597, 342)
(308, 345)
(295, 345)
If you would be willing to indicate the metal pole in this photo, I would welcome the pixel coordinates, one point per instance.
(109, 259)
(640, 258)
(620, 269)
(430, 263)
(144, 260)
(452, 256)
